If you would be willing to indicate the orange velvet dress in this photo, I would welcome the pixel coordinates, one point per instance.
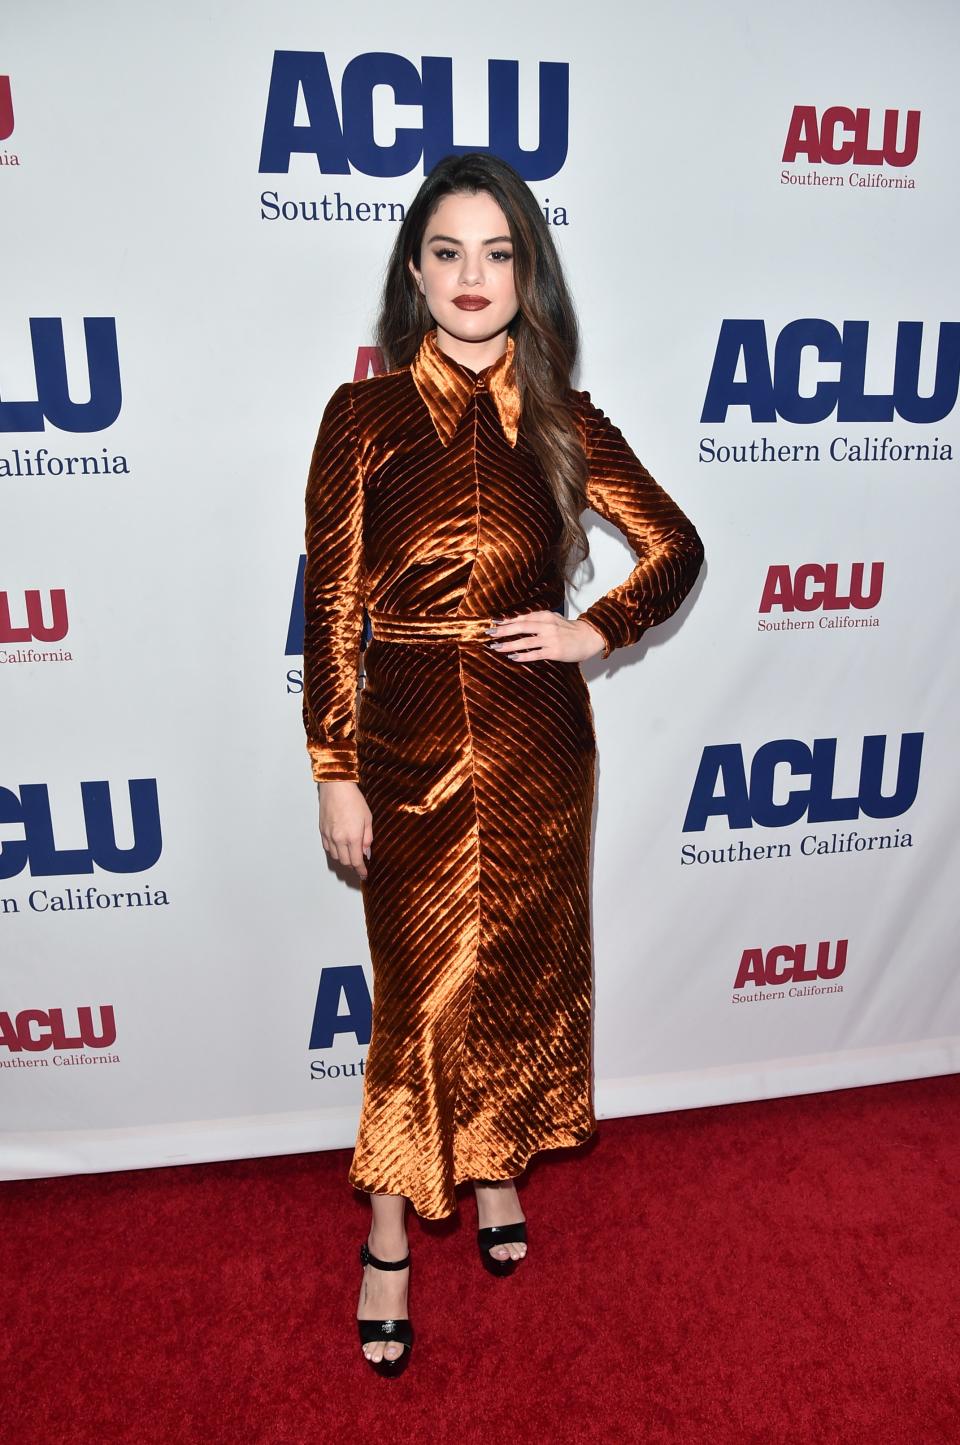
(426, 508)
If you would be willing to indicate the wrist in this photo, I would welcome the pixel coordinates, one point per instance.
(595, 633)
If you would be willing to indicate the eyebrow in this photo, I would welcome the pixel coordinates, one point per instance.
(489, 242)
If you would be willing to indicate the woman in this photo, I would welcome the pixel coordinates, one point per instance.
(444, 499)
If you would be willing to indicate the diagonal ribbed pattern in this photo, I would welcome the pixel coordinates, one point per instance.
(426, 506)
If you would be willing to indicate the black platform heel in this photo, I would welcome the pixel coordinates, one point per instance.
(399, 1330)
(494, 1234)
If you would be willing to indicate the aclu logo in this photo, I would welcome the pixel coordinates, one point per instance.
(35, 627)
(7, 158)
(723, 788)
(341, 132)
(32, 616)
(787, 971)
(820, 587)
(35, 1030)
(343, 1006)
(745, 373)
(37, 851)
(6, 108)
(54, 403)
(61, 1037)
(840, 136)
(296, 627)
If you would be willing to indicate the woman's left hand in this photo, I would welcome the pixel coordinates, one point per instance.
(536, 636)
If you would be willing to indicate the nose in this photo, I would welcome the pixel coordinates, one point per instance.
(471, 271)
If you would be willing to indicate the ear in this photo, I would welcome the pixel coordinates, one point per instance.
(416, 276)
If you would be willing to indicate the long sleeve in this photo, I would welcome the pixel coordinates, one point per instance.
(333, 593)
(668, 547)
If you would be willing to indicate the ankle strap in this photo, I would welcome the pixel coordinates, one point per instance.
(367, 1258)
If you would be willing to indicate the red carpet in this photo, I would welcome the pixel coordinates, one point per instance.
(763, 1273)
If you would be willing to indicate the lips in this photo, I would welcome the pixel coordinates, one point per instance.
(471, 303)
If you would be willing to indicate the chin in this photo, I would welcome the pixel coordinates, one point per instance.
(473, 325)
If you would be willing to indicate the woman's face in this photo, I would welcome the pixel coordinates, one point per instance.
(466, 258)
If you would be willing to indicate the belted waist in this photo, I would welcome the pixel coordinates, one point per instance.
(389, 627)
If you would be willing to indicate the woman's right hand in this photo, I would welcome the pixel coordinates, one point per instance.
(346, 823)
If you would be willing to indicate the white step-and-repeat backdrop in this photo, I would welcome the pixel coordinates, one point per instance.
(758, 213)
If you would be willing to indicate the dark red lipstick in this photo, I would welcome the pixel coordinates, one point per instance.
(470, 303)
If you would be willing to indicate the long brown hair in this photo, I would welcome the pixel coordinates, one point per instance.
(544, 330)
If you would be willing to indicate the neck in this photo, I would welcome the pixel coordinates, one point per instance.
(473, 354)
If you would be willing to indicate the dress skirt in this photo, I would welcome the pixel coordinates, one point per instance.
(477, 912)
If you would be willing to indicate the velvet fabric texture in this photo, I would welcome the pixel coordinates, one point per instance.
(426, 507)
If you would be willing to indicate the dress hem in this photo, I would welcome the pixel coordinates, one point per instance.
(569, 1141)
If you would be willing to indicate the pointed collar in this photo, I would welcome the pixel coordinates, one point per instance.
(446, 386)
